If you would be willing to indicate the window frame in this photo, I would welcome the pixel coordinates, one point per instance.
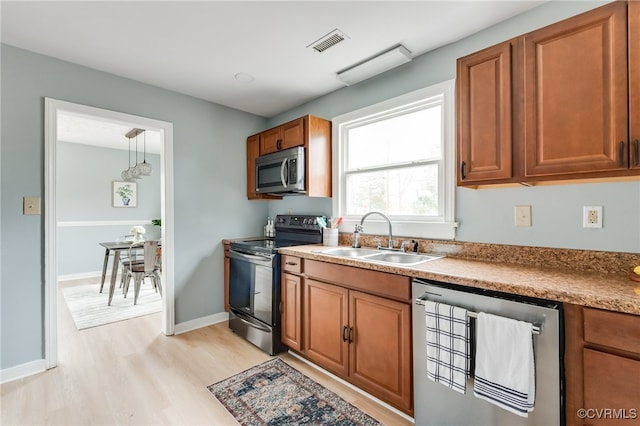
(440, 227)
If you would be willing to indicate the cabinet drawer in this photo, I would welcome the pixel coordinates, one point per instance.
(611, 383)
(381, 283)
(612, 329)
(291, 264)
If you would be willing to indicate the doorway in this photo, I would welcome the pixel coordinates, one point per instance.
(53, 110)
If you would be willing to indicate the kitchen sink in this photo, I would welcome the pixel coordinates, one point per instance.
(407, 259)
(349, 252)
(396, 258)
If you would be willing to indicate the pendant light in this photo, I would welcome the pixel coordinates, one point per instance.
(126, 174)
(135, 170)
(131, 173)
(144, 167)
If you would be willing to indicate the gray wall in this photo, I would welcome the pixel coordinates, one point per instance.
(83, 194)
(486, 215)
(209, 185)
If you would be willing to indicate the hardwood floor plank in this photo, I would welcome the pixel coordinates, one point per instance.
(129, 373)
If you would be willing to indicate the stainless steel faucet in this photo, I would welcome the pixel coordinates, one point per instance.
(388, 221)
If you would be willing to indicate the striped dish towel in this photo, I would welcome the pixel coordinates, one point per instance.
(447, 345)
(505, 371)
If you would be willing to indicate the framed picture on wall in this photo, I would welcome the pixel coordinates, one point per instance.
(124, 194)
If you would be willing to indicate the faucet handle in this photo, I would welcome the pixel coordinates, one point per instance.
(405, 245)
(378, 241)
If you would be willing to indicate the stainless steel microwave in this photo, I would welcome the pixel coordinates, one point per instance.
(281, 172)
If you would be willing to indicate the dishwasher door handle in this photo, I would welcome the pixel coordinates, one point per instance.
(425, 296)
(536, 328)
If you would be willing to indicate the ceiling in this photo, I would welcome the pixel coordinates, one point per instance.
(86, 130)
(198, 47)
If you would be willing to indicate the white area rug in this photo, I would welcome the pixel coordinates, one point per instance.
(89, 307)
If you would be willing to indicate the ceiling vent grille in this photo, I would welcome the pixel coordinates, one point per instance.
(323, 43)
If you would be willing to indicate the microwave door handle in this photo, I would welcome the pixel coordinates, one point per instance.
(284, 172)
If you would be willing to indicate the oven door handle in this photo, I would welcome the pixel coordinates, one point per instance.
(250, 257)
(247, 320)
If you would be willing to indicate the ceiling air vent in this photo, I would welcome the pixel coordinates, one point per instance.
(327, 41)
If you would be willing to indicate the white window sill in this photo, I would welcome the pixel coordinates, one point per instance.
(403, 230)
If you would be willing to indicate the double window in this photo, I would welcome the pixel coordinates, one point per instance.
(397, 158)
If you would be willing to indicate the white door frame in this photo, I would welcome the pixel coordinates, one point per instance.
(52, 108)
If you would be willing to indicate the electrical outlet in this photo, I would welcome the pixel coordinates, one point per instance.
(523, 216)
(592, 217)
(31, 205)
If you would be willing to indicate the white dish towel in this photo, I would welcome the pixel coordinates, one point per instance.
(505, 371)
(447, 345)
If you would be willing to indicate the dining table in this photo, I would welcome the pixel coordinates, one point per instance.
(116, 247)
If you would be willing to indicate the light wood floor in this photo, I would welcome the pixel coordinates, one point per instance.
(128, 373)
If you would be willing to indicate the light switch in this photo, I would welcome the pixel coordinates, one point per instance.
(31, 205)
(523, 215)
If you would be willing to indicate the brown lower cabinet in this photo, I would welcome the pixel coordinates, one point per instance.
(354, 324)
(291, 311)
(602, 367)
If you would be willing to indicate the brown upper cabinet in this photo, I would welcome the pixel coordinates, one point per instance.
(285, 136)
(485, 114)
(311, 132)
(634, 83)
(554, 104)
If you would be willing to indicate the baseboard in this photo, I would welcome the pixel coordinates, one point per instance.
(80, 276)
(194, 324)
(23, 370)
(351, 386)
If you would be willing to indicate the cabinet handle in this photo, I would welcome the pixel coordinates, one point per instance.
(279, 144)
(636, 153)
(462, 173)
(291, 263)
(350, 334)
(344, 333)
(621, 161)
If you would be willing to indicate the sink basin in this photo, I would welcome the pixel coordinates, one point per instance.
(348, 251)
(407, 259)
(397, 258)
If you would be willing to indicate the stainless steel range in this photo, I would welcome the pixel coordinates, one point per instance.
(254, 280)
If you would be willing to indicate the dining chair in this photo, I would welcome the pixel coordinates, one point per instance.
(141, 270)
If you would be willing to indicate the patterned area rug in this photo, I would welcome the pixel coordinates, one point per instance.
(89, 308)
(273, 393)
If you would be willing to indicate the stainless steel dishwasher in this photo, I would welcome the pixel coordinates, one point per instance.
(435, 404)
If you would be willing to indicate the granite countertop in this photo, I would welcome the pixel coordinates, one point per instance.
(610, 291)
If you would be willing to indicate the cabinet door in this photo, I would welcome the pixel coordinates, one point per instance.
(611, 383)
(288, 135)
(634, 83)
(291, 311)
(485, 115)
(292, 133)
(270, 141)
(575, 95)
(325, 313)
(253, 151)
(380, 351)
